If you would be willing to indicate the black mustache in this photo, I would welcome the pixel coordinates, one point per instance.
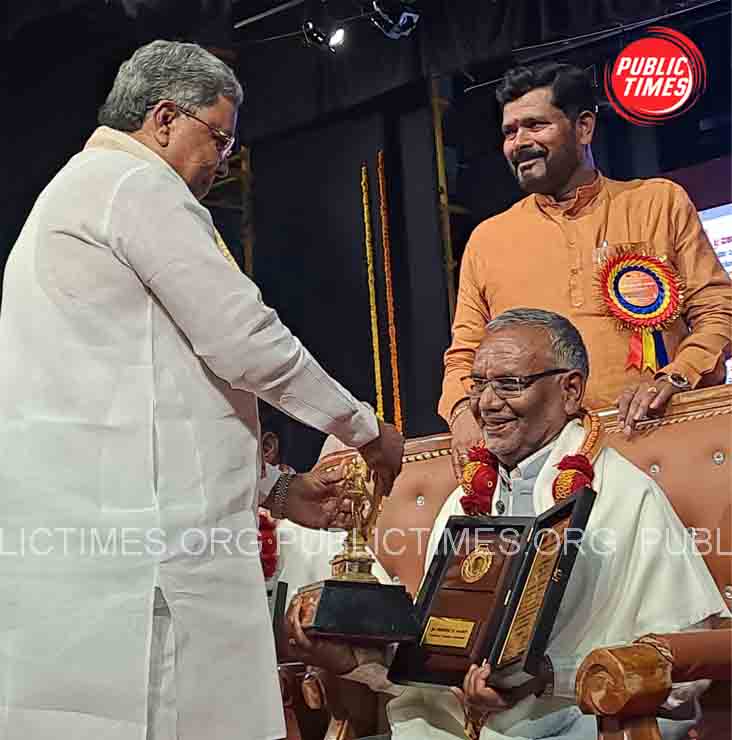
(526, 155)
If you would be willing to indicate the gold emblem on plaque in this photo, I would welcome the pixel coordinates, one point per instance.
(477, 564)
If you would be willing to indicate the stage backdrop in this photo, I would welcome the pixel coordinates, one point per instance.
(310, 257)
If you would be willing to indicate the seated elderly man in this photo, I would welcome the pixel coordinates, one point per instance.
(637, 572)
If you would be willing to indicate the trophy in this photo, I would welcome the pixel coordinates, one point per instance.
(352, 604)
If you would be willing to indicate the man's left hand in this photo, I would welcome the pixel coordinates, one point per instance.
(315, 500)
(478, 699)
(643, 401)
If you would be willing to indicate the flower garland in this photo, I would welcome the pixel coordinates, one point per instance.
(575, 472)
(221, 246)
(386, 244)
(480, 479)
(267, 540)
(480, 473)
(369, 239)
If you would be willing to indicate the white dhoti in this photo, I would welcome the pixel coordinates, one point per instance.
(162, 713)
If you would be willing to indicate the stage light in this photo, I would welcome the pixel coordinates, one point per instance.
(337, 38)
(393, 18)
(320, 30)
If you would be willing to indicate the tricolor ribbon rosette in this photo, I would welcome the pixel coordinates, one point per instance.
(645, 295)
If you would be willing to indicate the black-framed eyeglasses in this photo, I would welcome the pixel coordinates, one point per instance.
(224, 141)
(508, 386)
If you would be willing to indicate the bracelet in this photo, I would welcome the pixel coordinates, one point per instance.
(458, 409)
(279, 495)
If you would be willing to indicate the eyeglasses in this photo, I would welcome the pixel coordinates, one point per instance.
(224, 141)
(507, 386)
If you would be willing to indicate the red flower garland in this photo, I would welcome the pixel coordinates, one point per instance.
(480, 478)
(267, 539)
(575, 473)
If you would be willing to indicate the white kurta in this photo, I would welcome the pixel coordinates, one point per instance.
(131, 352)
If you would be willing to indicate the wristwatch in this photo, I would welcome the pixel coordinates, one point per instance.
(677, 380)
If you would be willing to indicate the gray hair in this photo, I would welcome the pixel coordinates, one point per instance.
(167, 70)
(568, 348)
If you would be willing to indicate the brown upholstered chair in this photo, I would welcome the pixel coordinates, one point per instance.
(688, 452)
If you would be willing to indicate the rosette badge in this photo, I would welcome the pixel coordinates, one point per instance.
(644, 294)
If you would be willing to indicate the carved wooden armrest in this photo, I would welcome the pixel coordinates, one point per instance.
(631, 681)
(353, 706)
(624, 687)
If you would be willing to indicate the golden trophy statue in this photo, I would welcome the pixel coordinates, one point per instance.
(352, 604)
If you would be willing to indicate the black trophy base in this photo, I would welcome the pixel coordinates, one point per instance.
(361, 612)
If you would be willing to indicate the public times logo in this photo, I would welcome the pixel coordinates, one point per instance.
(656, 78)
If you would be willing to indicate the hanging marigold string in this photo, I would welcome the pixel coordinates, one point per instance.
(221, 245)
(386, 244)
(369, 239)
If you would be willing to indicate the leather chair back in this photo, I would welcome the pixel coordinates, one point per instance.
(687, 452)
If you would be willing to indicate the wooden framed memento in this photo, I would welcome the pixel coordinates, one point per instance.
(492, 593)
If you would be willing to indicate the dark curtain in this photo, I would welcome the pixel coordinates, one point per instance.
(310, 259)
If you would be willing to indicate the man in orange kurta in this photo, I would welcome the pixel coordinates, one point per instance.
(546, 252)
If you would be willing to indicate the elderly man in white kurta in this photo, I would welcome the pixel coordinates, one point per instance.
(636, 573)
(132, 351)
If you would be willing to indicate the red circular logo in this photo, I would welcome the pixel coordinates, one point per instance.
(656, 78)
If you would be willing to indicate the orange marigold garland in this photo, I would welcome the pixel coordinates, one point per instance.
(386, 244)
(369, 242)
(576, 471)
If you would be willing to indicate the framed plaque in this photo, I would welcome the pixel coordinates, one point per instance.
(491, 594)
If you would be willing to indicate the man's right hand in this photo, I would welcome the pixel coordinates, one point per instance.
(335, 656)
(465, 434)
(383, 455)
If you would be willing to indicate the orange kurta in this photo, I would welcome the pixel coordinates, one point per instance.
(544, 254)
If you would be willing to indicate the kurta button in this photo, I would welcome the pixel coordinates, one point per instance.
(727, 592)
(500, 507)
(655, 469)
(718, 457)
(420, 500)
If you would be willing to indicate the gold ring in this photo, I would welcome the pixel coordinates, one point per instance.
(652, 389)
